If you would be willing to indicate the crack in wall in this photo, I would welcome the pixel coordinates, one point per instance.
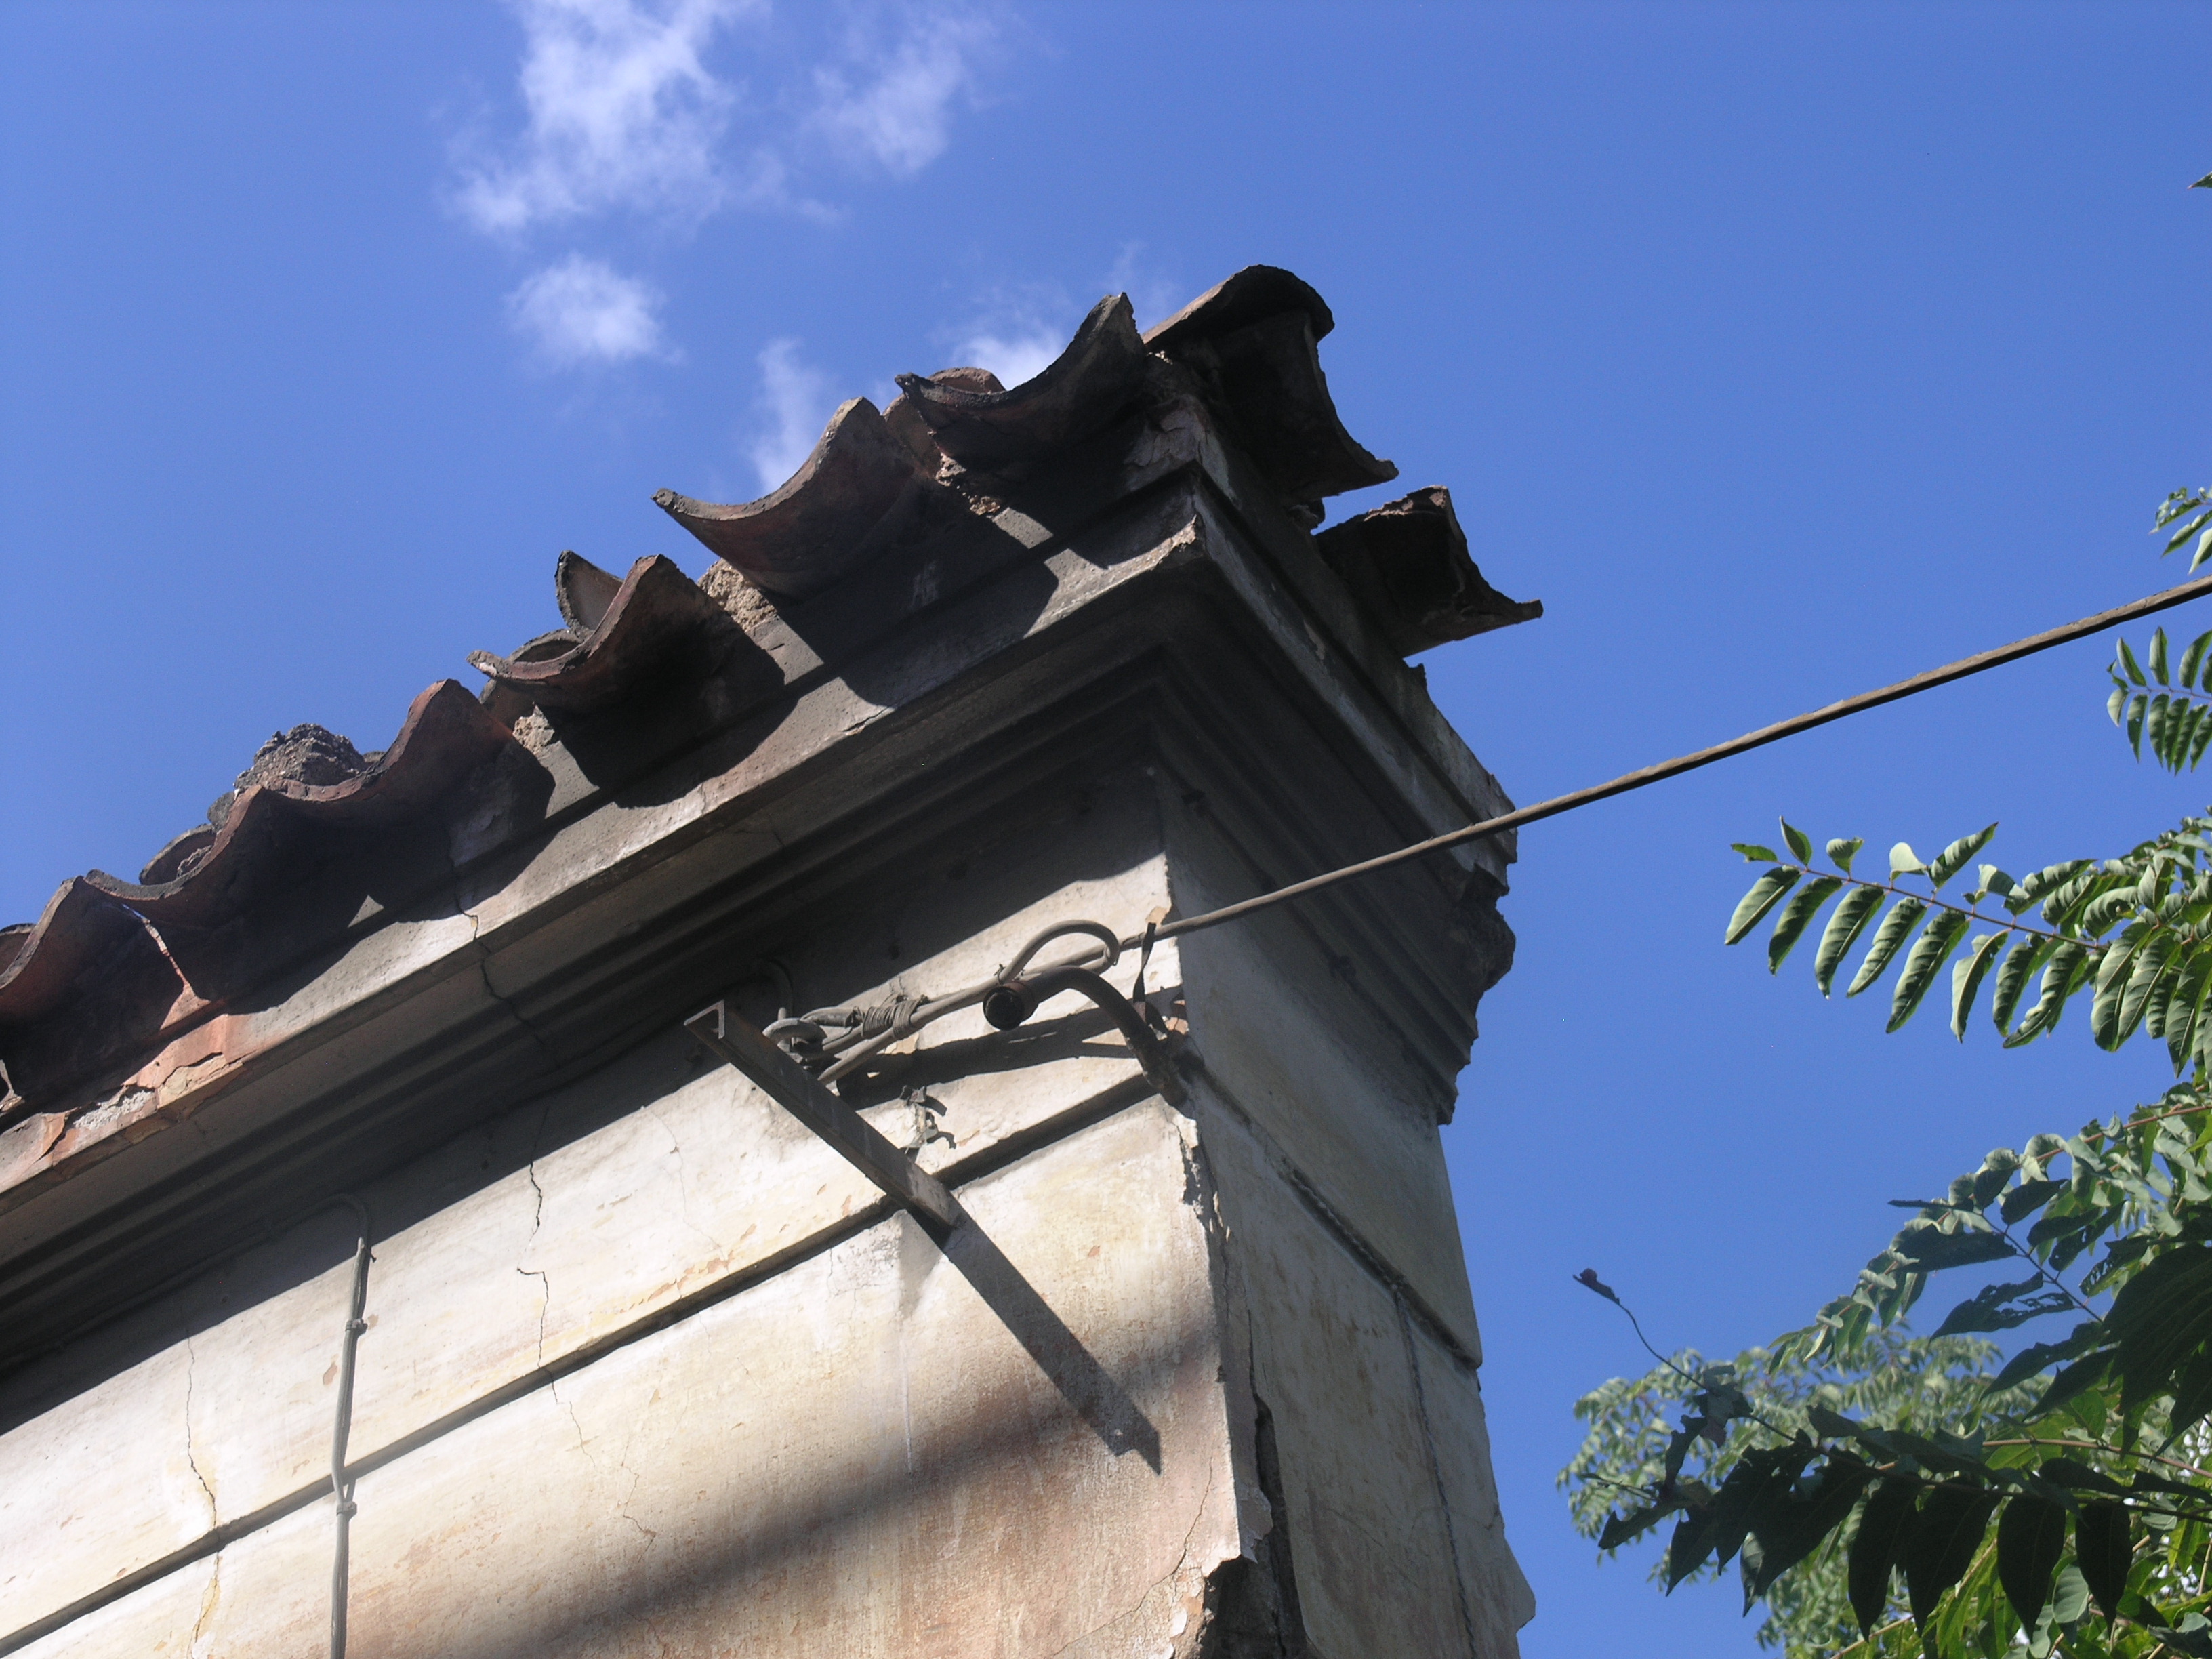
(1369, 1256)
(191, 1458)
(1437, 1474)
(622, 1508)
(483, 972)
(682, 1177)
(1182, 1567)
(210, 1601)
(530, 1173)
(545, 1301)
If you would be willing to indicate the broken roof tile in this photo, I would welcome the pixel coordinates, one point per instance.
(1407, 565)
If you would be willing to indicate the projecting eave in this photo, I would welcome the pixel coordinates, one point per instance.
(521, 878)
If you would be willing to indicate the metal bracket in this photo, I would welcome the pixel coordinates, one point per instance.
(799, 1092)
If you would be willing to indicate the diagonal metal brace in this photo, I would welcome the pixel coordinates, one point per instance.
(792, 1086)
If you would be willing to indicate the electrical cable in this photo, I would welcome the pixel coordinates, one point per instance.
(867, 1032)
(1674, 768)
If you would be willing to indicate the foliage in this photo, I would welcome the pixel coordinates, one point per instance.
(1883, 1493)
(2064, 1512)
(1883, 1375)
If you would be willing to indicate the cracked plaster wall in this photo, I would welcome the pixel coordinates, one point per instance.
(681, 1386)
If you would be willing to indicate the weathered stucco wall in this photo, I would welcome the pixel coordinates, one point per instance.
(651, 1370)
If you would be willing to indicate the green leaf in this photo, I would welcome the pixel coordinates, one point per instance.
(2077, 1476)
(1842, 850)
(2145, 968)
(1903, 861)
(2118, 700)
(1882, 1527)
(1851, 917)
(1626, 1528)
(2105, 1550)
(2031, 1537)
(2025, 1199)
(2192, 659)
(1762, 897)
(1753, 854)
(1799, 842)
(2020, 962)
(1966, 975)
(2136, 710)
(2128, 657)
(2112, 982)
(2070, 1599)
(1795, 916)
(1931, 1251)
(2160, 1318)
(1941, 1544)
(1952, 858)
(2062, 977)
(1928, 953)
(1832, 1424)
(1986, 1310)
(2040, 1355)
(1691, 1543)
(1895, 927)
(2081, 1374)
(2158, 656)
(1790, 1525)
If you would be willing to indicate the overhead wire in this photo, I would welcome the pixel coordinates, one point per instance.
(1644, 777)
(866, 1031)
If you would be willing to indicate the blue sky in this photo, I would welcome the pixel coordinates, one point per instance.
(1782, 350)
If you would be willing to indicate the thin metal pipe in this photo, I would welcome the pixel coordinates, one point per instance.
(1650, 774)
(342, 1488)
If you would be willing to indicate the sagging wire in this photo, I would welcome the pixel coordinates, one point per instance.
(865, 1032)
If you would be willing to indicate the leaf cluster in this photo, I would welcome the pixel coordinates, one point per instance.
(2168, 706)
(2134, 932)
(2055, 1503)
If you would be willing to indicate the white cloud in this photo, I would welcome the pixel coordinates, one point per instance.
(623, 113)
(797, 400)
(583, 310)
(892, 107)
(626, 111)
(1015, 355)
(1152, 294)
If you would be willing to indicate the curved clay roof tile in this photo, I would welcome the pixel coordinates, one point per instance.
(1407, 565)
(801, 538)
(446, 734)
(1071, 397)
(620, 633)
(1252, 342)
(1253, 293)
(40, 961)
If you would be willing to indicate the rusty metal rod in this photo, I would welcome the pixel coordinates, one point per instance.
(340, 1487)
(1650, 774)
(799, 1092)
